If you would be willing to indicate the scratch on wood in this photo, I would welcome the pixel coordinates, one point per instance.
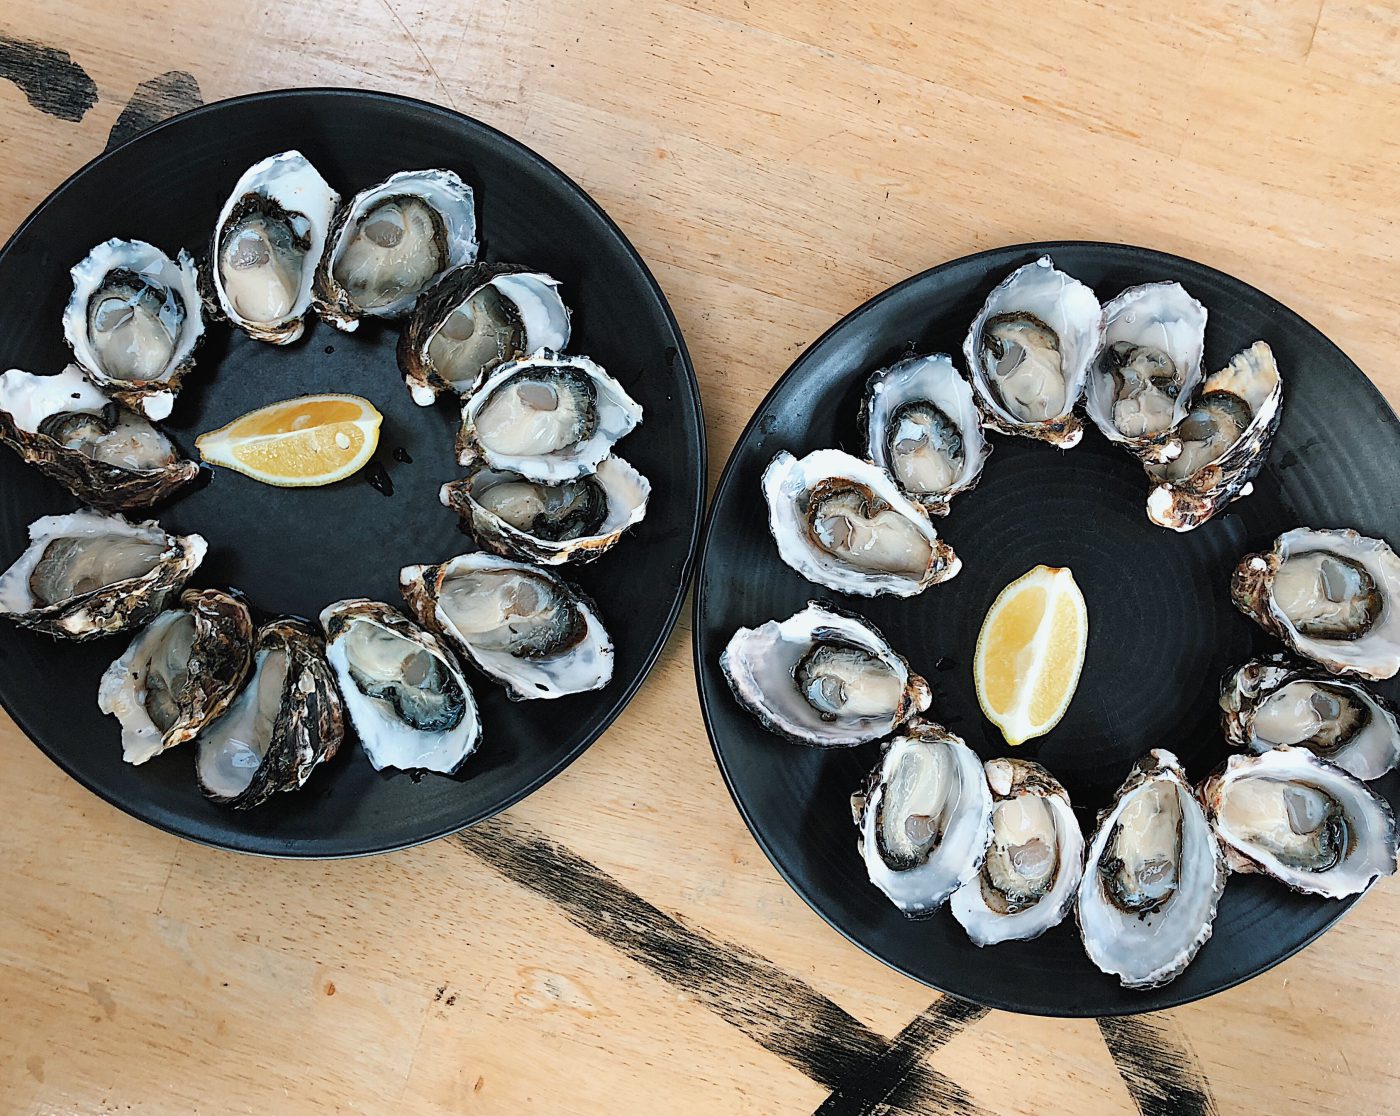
(160, 98)
(423, 54)
(48, 77)
(1160, 1070)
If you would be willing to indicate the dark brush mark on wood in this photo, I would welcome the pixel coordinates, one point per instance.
(1160, 1070)
(774, 1008)
(160, 98)
(49, 78)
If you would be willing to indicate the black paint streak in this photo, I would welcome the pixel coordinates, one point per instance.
(1160, 1071)
(49, 78)
(164, 96)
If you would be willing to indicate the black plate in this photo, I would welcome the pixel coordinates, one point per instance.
(297, 550)
(1162, 630)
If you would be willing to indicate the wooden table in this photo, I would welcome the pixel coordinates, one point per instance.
(618, 943)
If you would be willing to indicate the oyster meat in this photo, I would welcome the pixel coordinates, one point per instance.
(1152, 879)
(922, 427)
(180, 672)
(823, 677)
(474, 319)
(1029, 351)
(108, 457)
(1030, 877)
(844, 523)
(1302, 820)
(521, 626)
(86, 574)
(133, 322)
(1331, 596)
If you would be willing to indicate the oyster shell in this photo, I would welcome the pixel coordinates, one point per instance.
(391, 242)
(547, 417)
(270, 236)
(475, 318)
(922, 426)
(133, 322)
(107, 456)
(1152, 879)
(925, 818)
(521, 626)
(843, 523)
(1029, 351)
(405, 694)
(573, 521)
(823, 677)
(1142, 384)
(1331, 596)
(180, 672)
(1030, 877)
(86, 574)
(1302, 820)
(285, 722)
(1272, 703)
(1224, 440)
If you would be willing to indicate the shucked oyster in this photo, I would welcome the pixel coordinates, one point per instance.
(180, 672)
(406, 696)
(843, 523)
(133, 322)
(572, 521)
(922, 427)
(520, 625)
(268, 240)
(1034, 862)
(1224, 440)
(86, 574)
(1332, 596)
(1302, 820)
(284, 723)
(1029, 350)
(547, 417)
(1271, 703)
(1152, 879)
(391, 242)
(823, 677)
(107, 456)
(475, 318)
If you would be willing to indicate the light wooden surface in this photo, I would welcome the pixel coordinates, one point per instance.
(777, 162)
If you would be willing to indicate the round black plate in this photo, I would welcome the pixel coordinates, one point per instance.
(296, 550)
(1162, 630)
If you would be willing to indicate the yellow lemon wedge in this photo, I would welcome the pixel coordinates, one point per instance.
(297, 443)
(1030, 652)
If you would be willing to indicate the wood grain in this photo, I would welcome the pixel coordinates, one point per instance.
(777, 163)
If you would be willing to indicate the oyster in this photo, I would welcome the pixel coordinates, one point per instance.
(1152, 879)
(406, 696)
(286, 721)
(922, 427)
(475, 318)
(519, 625)
(269, 238)
(547, 417)
(1034, 862)
(1302, 820)
(823, 677)
(391, 242)
(1142, 385)
(843, 523)
(180, 672)
(1271, 703)
(107, 456)
(1029, 351)
(86, 574)
(133, 322)
(1224, 439)
(925, 818)
(1331, 596)
(572, 521)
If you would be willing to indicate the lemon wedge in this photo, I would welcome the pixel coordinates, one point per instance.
(302, 442)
